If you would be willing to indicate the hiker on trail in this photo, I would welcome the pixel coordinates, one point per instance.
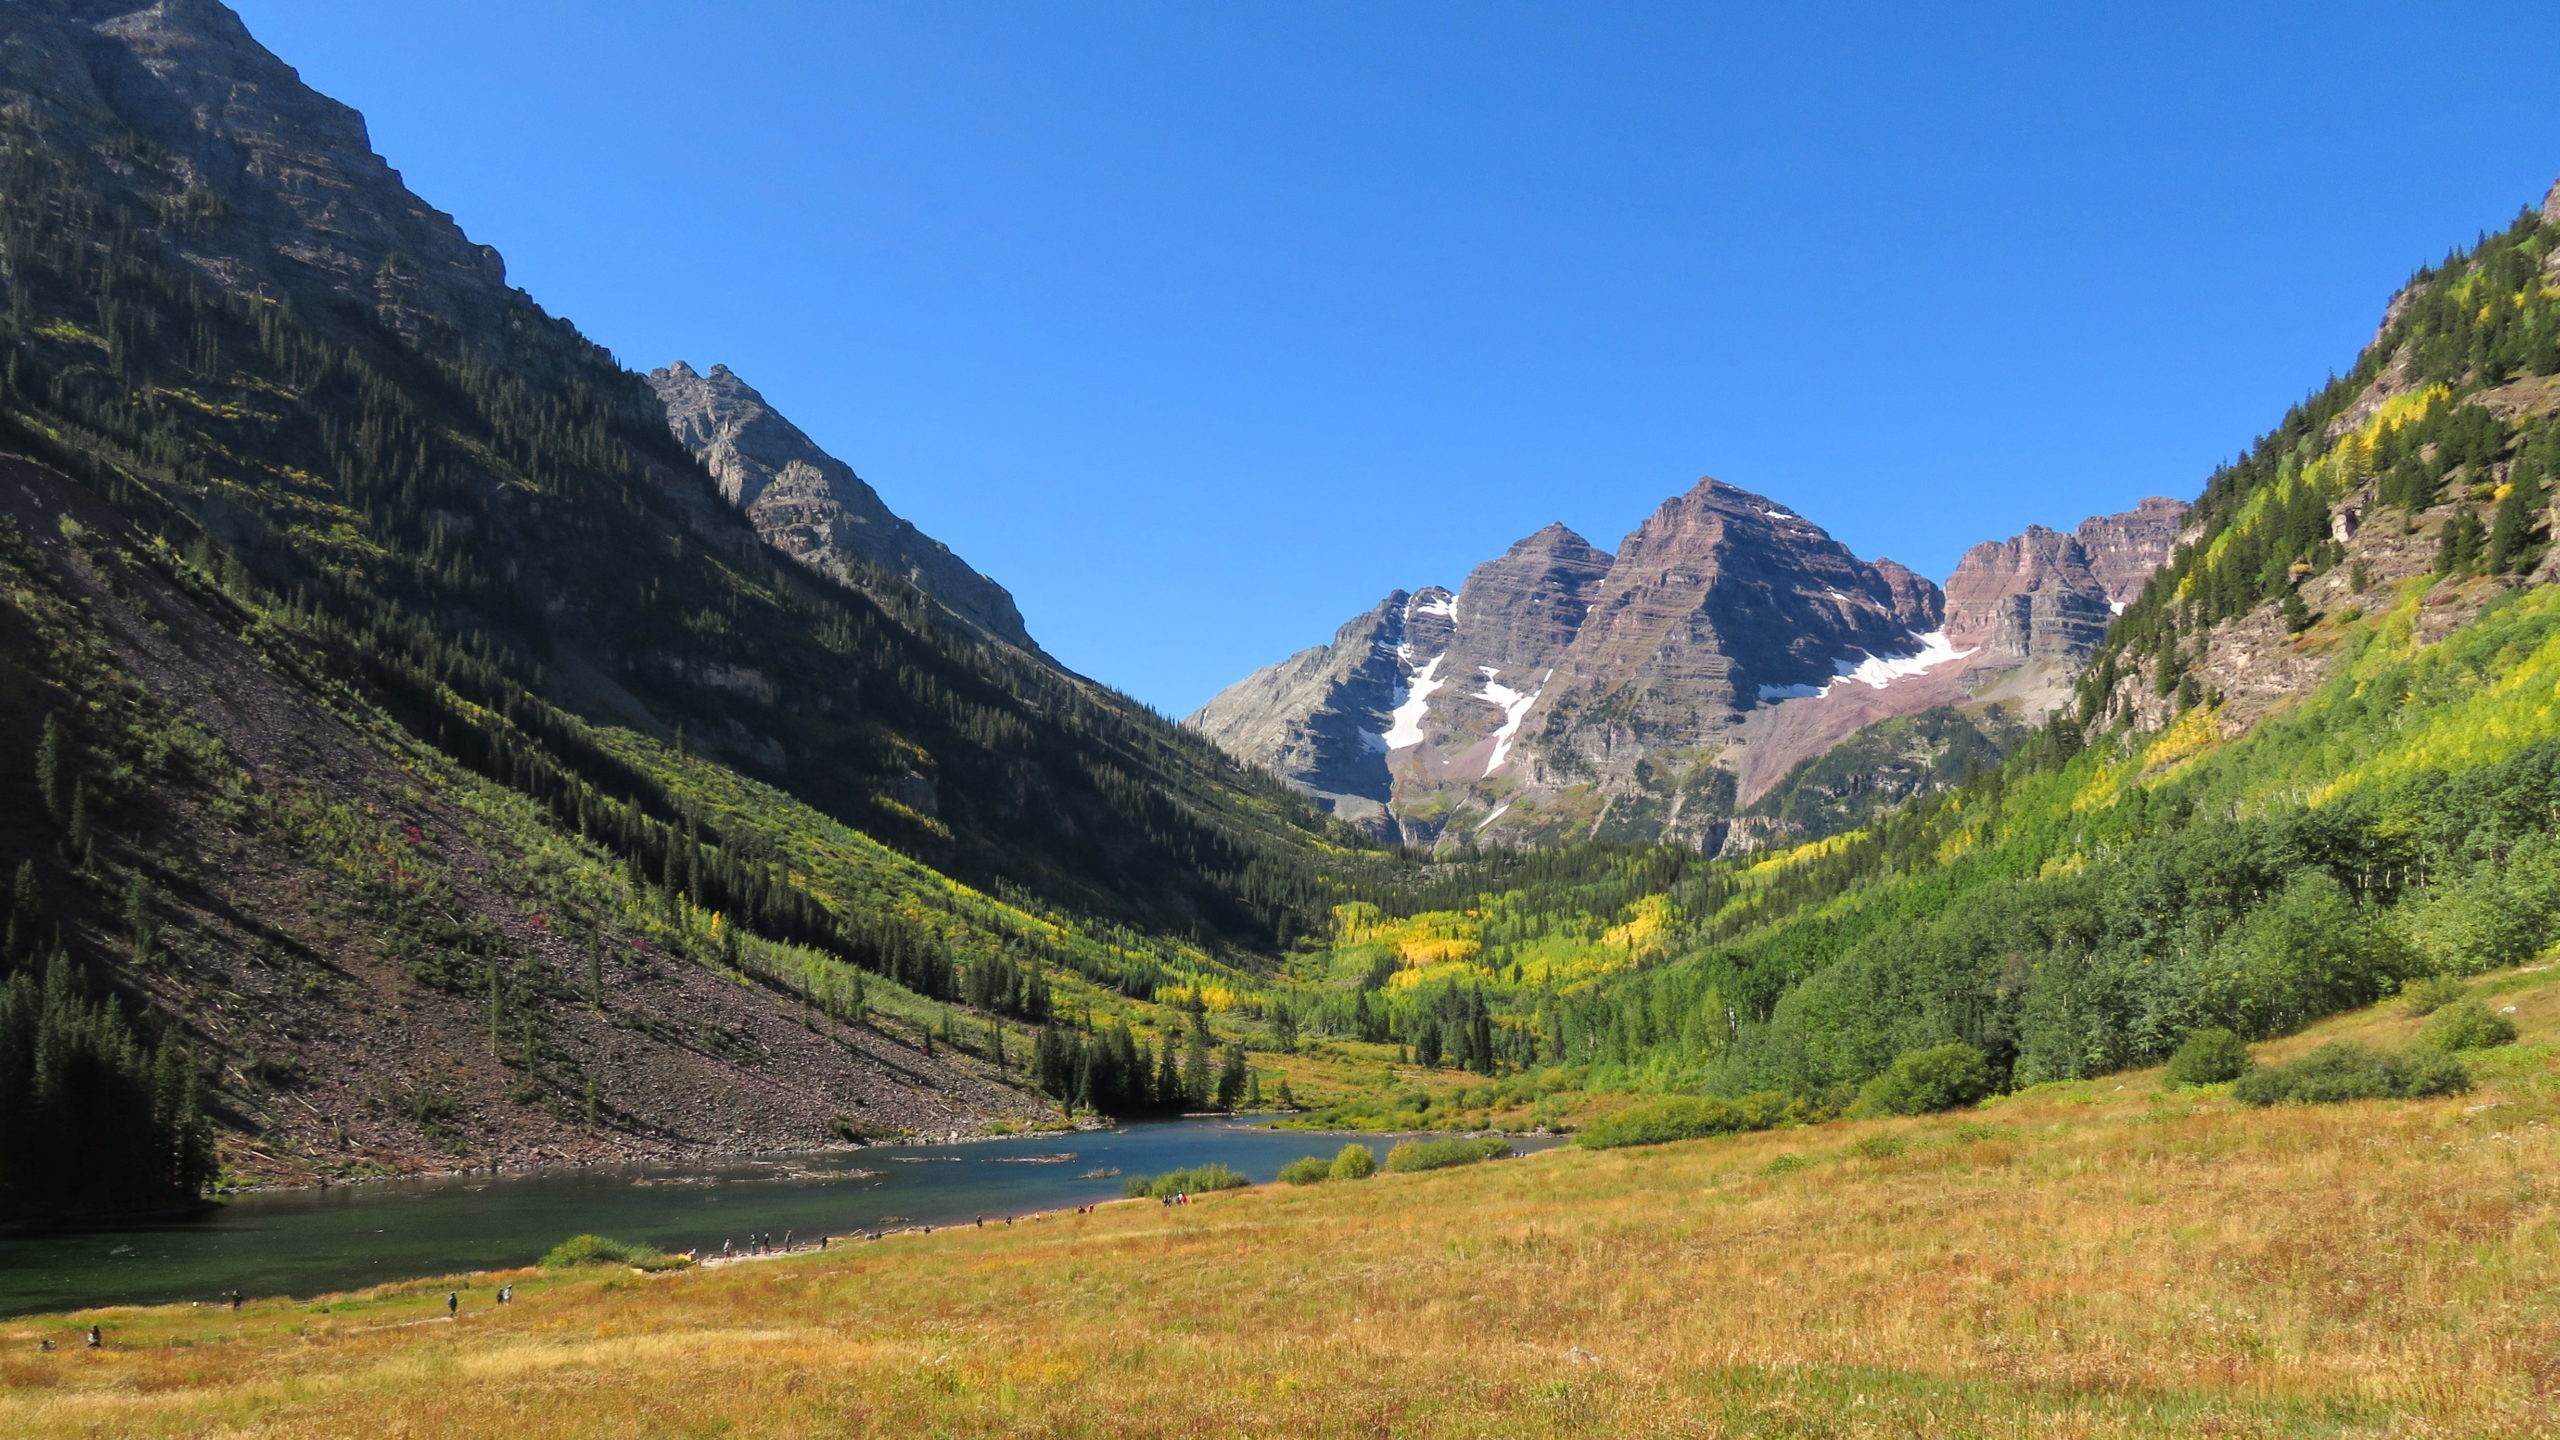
(786, 1240)
(95, 1339)
(235, 1301)
(982, 1222)
(724, 1249)
(506, 1294)
(452, 1303)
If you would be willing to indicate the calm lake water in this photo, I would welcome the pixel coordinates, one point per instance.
(307, 1242)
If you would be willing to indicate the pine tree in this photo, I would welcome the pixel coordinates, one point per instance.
(2459, 546)
(1198, 1086)
(50, 769)
(1232, 1076)
(1169, 1091)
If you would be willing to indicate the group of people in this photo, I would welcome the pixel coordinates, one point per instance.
(1179, 1197)
(763, 1243)
(453, 1299)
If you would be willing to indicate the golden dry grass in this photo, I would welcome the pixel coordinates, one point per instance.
(2098, 1259)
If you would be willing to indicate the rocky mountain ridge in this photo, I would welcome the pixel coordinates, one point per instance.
(812, 507)
(1565, 692)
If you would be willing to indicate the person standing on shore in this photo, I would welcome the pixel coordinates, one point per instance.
(452, 1303)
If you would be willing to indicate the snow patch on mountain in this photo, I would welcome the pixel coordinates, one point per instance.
(1405, 721)
(1882, 670)
(1876, 671)
(1515, 709)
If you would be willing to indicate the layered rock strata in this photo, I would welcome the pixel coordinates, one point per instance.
(1564, 692)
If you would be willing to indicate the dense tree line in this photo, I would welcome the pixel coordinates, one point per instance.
(98, 1115)
(1113, 1072)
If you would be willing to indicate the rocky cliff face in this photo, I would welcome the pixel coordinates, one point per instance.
(1320, 718)
(2030, 596)
(811, 506)
(256, 155)
(2123, 550)
(1565, 692)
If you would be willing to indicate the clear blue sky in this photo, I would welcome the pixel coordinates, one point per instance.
(1202, 325)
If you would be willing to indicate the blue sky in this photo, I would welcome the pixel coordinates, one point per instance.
(1202, 325)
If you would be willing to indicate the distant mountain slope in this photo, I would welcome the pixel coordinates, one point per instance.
(456, 558)
(1565, 693)
(811, 506)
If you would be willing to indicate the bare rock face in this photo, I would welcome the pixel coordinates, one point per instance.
(2029, 595)
(293, 199)
(811, 506)
(1721, 602)
(1319, 719)
(2124, 549)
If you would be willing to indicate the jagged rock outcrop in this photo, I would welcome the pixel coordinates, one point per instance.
(261, 156)
(2124, 549)
(1650, 693)
(811, 506)
(1319, 719)
(2029, 596)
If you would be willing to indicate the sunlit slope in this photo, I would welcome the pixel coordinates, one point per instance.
(2095, 1258)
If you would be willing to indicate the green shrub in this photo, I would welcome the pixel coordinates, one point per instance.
(1784, 1164)
(1353, 1162)
(1919, 1082)
(2345, 1070)
(2467, 1025)
(1878, 1147)
(2210, 1057)
(1682, 1117)
(1414, 1155)
(595, 1250)
(1198, 1180)
(1306, 1171)
(2426, 994)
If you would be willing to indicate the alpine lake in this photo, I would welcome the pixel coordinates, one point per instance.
(344, 1237)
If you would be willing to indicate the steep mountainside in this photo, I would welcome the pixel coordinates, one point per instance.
(812, 507)
(406, 723)
(1579, 695)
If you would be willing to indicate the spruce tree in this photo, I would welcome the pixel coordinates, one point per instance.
(1198, 1086)
(50, 768)
(1231, 1078)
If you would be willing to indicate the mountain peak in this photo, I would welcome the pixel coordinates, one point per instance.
(1553, 536)
(811, 505)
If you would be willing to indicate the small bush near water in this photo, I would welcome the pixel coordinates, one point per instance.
(1682, 1117)
(597, 1250)
(2345, 1070)
(1306, 1171)
(2210, 1057)
(1353, 1162)
(1198, 1180)
(2467, 1025)
(1415, 1155)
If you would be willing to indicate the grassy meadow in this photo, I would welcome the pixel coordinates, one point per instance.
(2091, 1258)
